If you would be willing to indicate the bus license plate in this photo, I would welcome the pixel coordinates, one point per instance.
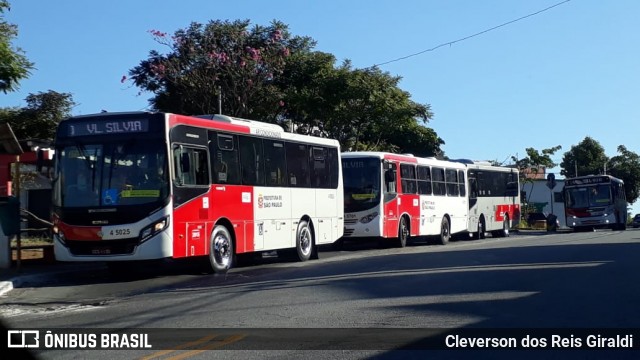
(101, 251)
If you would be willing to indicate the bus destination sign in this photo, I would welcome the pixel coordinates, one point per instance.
(588, 180)
(102, 127)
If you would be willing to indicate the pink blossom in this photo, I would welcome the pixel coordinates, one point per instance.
(277, 35)
(281, 103)
(157, 33)
(286, 52)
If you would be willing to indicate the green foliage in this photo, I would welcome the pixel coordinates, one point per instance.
(587, 157)
(39, 119)
(533, 162)
(221, 55)
(626, 166)
(14, 66)
(267, 74)
(590, 159)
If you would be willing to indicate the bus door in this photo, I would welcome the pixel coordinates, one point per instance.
(390, 198)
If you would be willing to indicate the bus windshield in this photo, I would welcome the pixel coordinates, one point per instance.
(361, 178)
(589, 196)
(110, 174)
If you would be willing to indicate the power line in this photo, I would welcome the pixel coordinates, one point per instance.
(474, 35)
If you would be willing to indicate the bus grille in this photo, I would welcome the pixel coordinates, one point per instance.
(350, 221)
(348, 232)
(103, 247)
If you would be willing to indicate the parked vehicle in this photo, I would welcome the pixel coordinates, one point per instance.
(636, 221)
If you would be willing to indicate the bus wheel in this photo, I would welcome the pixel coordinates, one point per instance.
(506, 225)
(221, 251)
(304, 241)
(480, 233)
(445, 231)
(403, 232)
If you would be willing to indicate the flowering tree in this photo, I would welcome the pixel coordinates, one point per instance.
(223, 58)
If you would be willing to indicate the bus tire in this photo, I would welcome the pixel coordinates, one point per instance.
(506, 225)
(221, 251)
(403, 232)
(445, 231)
(304, 241)
(481, 229)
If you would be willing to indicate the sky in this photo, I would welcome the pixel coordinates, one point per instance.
(549, 79)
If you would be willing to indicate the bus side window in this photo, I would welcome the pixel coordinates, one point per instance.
(274, 163)
(390, 182)
(226, 167)
(251, 161)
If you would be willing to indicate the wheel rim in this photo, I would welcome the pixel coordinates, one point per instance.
(221, 250)
(404, 231)
(480, 229)
(505, 226)
(445, 230)
(305, 241)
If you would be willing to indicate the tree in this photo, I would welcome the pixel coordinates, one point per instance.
(267, 74)
(219, 56)
(363, 108)
(532, 163)
(535, 160)
(14, 66)
(588, 158)
(626, 166)
(40, 118)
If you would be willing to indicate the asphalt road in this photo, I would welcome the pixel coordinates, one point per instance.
(353, 302)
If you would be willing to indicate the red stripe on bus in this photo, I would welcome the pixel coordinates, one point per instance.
(205, 123)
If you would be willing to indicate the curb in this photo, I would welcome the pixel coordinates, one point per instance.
(6, 286)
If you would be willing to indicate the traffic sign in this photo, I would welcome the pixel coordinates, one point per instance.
(551, 181)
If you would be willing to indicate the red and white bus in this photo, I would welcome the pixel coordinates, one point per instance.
(595, 201)
(398, 196)
(494, 199)
(140, 186)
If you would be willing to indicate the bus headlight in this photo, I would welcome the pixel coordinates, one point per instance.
(367, 218)
(153, 229)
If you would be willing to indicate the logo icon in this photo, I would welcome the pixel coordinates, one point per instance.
(23, 338)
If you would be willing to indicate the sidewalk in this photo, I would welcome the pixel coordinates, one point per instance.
(32, 270)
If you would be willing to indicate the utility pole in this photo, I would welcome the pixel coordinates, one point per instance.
(219, 100)
(575, 164)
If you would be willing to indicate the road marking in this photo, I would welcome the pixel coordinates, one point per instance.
(180, 347)
(216, 345)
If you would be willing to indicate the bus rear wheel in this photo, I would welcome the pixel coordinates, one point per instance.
(403, 232)
(304, 241)
(445, 231)
(480, 233)
(221, 252)
(506, 225)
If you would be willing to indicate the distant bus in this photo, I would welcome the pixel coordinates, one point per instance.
(395, 197)
(494, 199)
(595, 201)
(140, 186)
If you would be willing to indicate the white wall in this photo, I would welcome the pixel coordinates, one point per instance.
(538, 192)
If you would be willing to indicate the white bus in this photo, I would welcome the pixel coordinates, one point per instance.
(140, 186)
(494, 199)
(595, 201)
(399, 196)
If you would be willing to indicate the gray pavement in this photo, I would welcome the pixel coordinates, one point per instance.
(37, 270)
